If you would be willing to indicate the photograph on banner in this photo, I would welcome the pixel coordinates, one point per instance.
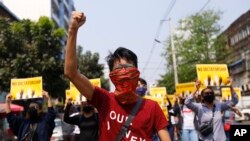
(158, 91)
(26, 88)
(226, 93)
(184, 89)
(212, 74)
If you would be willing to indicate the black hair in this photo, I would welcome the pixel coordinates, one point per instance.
(38, 101)
(207, 88)
(143, 81)
(182, 100)
(119, 53)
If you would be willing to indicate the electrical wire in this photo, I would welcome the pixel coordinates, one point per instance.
(157, 68)
(204, 6)
(170, 7)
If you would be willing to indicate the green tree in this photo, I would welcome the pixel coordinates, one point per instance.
(196, 41)
(29, 49)
(88, 65)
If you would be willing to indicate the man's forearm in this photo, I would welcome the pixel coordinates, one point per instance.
(49, 102)
(70, 55)
(164, 135)
(7, 110)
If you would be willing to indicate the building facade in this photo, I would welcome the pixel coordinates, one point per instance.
(6, 13)
(238, 42)
(58, 10)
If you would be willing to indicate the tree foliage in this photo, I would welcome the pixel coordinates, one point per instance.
(196, 41)
(30, 49)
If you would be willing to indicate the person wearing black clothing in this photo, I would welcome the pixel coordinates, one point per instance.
(141, 89)
(170, 113)
(87, 121)
(36, 126)
(177, 118)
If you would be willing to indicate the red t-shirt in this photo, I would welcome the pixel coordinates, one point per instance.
(112, 115)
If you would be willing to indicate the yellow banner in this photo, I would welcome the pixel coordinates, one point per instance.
(161, 101)
(165, 112)
(158, 92)
(226, 93)
(96, 82)
(212, 74)
(26, 88)
(184, 89)
(68, 94)
(172, 99)
(77, 96)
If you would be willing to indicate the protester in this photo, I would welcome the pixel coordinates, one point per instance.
(229, 119)
(170, 115)
(176, 119)
(87, 121)
(141, 89)
(36, 126)
(209, 113)
(76, 131)
(188, 132)
(114, 107)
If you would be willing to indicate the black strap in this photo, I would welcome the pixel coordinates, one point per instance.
(32, 130)
(211, 121)
(129, 119)
(29, 135)
(213, 115)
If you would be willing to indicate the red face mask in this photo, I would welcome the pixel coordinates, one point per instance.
(125, 81)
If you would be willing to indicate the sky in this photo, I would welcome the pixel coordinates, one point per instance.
(135, 24)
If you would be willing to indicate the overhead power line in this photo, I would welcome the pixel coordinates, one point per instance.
(204, 6)
(170, 7)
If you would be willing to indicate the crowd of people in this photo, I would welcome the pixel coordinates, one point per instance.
(123, 114)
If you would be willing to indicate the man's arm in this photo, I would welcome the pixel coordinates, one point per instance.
(71, 119)
(47, 98)
(51, 114)
(189, 101)
(164, 135)
(237, 111)
(13, 120)
(234, 98)
(169, 104)
(70, 67)
(66, 116)
(7, 103)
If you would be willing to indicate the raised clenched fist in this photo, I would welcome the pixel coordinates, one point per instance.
(8, 98)
(77, 19)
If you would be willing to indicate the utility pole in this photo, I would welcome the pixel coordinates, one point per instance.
(173, 54)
